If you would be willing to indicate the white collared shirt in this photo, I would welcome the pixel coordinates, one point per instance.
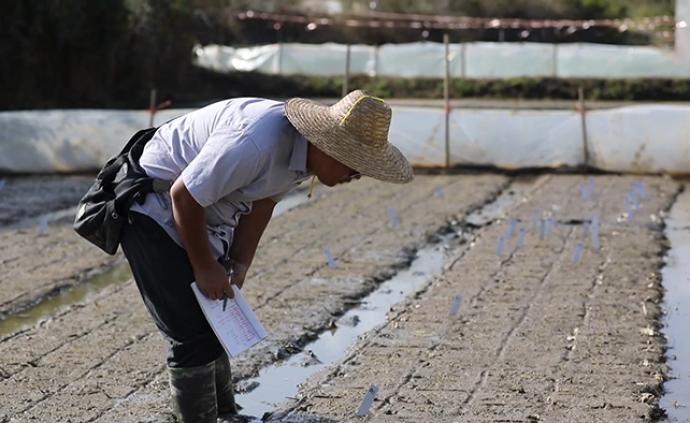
(228, 154)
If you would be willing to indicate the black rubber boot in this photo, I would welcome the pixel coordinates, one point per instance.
(193, 392)
(225, 396)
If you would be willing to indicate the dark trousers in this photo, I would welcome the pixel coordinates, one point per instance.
(163, 275)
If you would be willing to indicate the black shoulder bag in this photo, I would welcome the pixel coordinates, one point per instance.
(103, 211)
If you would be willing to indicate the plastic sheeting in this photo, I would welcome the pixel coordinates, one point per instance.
(67, 140)
(506, 60)
(644, 138)
(649, 138)
(609, 61)
(502, 138)
(224, 58)
(483, 60)
(416, 60)
(331, 59)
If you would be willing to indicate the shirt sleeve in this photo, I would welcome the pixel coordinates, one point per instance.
(228, 161)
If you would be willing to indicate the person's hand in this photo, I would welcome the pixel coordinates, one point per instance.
(213, 282)
(239, 272)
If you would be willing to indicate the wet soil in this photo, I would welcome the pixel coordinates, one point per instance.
(539, 335)
(543, 334)
(32, 196)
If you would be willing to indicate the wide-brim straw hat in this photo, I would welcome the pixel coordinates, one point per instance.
(353, 131)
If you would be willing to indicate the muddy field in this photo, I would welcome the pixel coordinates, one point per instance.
(558, 320)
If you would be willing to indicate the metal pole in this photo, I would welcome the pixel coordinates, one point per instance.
(347, 71)
(446, 95)
(280, 58)
(279, 41)
(583, 118)
(152, 106)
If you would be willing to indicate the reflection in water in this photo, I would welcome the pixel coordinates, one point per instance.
(676, 281)
(279, 382)
(50, 307)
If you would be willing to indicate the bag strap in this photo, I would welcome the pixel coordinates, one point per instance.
(143, 134)
(109, 171)
(135, 145)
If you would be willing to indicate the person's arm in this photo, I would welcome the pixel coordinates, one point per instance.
(246, 237)
(190, 221)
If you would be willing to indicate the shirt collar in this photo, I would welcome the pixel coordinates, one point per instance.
(298, 158)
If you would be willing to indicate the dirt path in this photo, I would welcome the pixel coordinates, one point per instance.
(542, 334)
(100, 359)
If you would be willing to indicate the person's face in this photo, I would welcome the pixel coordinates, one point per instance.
(329, 171)
(332, 172)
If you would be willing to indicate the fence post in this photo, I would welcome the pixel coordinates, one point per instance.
(446, 95)
(347, 71)
(280, 57)
(682, 32)
(152, 106)
(583, 118)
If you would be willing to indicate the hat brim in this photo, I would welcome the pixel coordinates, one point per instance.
(319, 126)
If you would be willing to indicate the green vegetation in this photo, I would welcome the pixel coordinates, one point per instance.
(246, 84)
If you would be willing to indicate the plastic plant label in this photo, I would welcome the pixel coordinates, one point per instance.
(542, 229)
(579, 250)
(594, 232)
(455, 306)
(393, 219)
(512, 224)
(587, 189)
(534, 220)
(330, 260)
(550, 224)
(640, 189)
(368, 400)
(500, 247)
(584, 192)
(592, 186)
(43, 226)
(521, 238)
(631, 205)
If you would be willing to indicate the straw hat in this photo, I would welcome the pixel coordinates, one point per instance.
(353, 131)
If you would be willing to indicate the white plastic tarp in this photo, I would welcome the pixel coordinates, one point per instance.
(516, 139)
(645, 138)
(326, 59)
(225, 58)
(610, 61)
(67, 140)
(422, 59)
(508, 60)
(503, 138)
(483, 60)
